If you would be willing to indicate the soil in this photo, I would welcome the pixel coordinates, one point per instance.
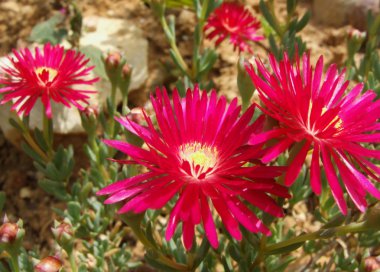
(18, 178)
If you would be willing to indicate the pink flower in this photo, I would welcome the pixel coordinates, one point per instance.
(234, 21)
(200, 153)
(49, 75)
(320, 116)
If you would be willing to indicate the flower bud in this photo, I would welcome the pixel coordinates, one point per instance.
(125, 79)
(8, 232)
(91, 111)
(372, 264)
(62, 229)
(357, 34)
(49, 264)
(112, 60)
(355, 41)
(64, 235)
(126, 71)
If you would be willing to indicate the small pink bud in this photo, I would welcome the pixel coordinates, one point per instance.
(62, 229)
(8, 232)
(49, 264)
(113, 60)
(126, 71)
(91, 111)
(356, 34)
(372, 264)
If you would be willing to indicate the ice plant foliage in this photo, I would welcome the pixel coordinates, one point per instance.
(323, 118)
(199, 152)
(236, 22)
(49, 74)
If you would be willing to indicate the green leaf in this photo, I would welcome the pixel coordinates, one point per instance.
(40, 139)
(95, 56)
(268, 16)
(244, 83)
(177, 62)
(207, 61)
(74, 210)
(226, 262)
(31, 153)
(274, 48)
(179, 3)
(171, 25)
(16, 125)
(57, 189)
(47, 32)
(285, 249)
(201, 253)
(303, 22)
(291, 6)
(152, 260)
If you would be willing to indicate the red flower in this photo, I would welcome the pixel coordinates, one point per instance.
(234, 21)
(49, 75)
(199, 153)
(322, 118)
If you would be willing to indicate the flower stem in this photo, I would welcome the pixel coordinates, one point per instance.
(47, 132)
(112, 111)
(260, 254)
(169, 35)
(320, 234)
(73, 263)
(14, 263)
(29, 139)
(198, 39)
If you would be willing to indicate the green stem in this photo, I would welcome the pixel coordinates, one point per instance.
(112, 111)
(260, 255)
(94, 146)
(320, 234)
(29, 139)
(14, 263)
(124, 105)
(173, 45)
(73, 263)
(198, 39)
(47, 132)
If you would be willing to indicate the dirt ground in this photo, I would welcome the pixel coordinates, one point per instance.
(18, 178)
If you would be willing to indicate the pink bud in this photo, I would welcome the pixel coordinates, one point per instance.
(372, 264)
(8, 232)
(113, 60)
(49, 264)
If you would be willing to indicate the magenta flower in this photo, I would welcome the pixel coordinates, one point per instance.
(234, 21)
(323, 118)
(200, 153)
(50, 75)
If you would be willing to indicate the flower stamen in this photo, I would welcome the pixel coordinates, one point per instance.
(46, 75)
(200, 158)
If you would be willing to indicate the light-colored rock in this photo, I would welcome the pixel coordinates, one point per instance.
(112, 35)
(341, 12)
(109, 35)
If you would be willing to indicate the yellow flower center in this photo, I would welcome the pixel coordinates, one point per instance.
(337, 120)
(46, 74)
(200, 158)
